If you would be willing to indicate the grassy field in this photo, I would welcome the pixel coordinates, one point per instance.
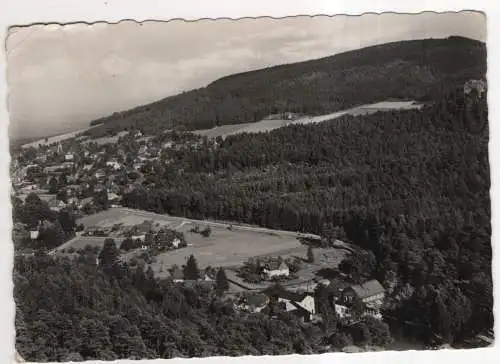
(224, 247)
(271, 124)
(227, 248)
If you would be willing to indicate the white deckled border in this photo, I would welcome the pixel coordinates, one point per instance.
(22, 12)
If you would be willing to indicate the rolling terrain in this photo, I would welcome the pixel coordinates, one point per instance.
(408, 70)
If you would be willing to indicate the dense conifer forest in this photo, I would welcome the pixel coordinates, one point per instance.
(412, 187)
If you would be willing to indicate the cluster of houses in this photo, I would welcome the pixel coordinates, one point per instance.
(145, 235)
(71, 173)
(369, 297)
(266, 269)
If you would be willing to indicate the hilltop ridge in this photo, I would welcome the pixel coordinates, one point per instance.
(406, 70)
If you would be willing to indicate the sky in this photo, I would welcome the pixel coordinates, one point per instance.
(61, 77)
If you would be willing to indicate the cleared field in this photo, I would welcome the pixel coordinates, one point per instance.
(268, 124)
(224, 247)
(106, 140)
(221, 130)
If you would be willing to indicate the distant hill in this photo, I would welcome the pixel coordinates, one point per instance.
(406, 70)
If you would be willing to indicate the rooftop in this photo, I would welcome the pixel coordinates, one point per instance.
(368, 289)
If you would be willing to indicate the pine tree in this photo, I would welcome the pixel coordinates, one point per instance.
(190, 270)
(109, 253)
(221, 282)
(53, 185)
(206, 232)
(310, 255)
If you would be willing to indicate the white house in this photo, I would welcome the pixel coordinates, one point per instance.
(305, 301)
(34, 234)
(69, 157)
(341, 311)
(114, 164)
(176, 242)
(281, 271)
(302, 304)
(100, 174)
(113, 196)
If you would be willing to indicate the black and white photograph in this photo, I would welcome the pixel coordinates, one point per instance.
(254, 186)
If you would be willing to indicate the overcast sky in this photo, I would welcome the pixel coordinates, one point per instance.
(62, 77)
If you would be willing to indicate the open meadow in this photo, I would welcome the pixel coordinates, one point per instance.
(266, 125)
(228, 245)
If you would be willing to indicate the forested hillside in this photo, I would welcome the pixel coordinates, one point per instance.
(74, 310)
(419, 69)
(412, 187)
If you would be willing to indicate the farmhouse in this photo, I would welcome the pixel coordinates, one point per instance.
(69, 157)
(276, 269)
(370, 293)
(34, 234)
(300, 304)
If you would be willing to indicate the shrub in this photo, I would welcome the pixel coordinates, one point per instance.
(206, 232)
